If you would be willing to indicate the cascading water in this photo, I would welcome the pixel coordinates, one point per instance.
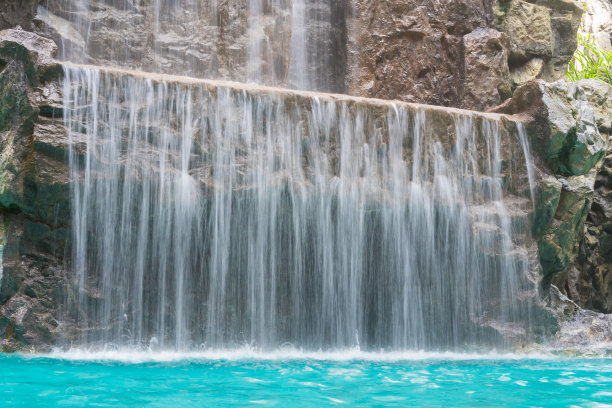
(275, 42)
(222, 215)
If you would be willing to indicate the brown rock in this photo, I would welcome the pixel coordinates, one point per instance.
(487, 78)
(17, 13)
(414, 51)
(529, 30)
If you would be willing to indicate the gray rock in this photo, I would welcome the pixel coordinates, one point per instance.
(17, 13)
(529, 29)
(562, 123)
(569, 126)
(580, 331)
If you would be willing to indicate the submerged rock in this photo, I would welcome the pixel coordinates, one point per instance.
(580, 331)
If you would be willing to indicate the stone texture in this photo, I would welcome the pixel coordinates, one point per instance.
(34, 191)
(563, 129)
(487, 78)
(432, 52)
(239, 40)
(569, 128)
(542, 30)
(529, 71)
(592, 277)
(17, 13)
(558, 245)
(529, 30)
(429, 51)
(598, 21)
(581, 332)
(413, 50)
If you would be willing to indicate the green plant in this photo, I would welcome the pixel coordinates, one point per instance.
(590, 61)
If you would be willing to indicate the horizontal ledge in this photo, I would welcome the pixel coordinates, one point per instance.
(286, 92)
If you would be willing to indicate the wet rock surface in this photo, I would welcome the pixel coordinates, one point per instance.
(565, 124)
(34, 191)
(590, 279)
(459, 53)
(569, 127)
(581, 331)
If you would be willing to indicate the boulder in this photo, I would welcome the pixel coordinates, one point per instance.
(542, 36)
(487, 78)
(569, 125)
(563, 124)
(529, 30)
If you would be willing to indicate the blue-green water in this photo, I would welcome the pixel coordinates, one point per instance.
(227, 380)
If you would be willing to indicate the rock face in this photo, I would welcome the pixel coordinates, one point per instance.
(459, 53)
(462, 53)
(414, 50)
(487, 76)
(38, 275)
(17, 13)
(569, 125)
(598, 21)
(34, 190)
(240, 40)
(542, 36)
(591, 277)
(580, 330)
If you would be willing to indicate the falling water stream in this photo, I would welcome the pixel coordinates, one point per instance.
(220, 215)
(274, 42)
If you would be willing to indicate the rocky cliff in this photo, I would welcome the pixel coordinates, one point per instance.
(34, 189)
(461, 53)
(569, 125)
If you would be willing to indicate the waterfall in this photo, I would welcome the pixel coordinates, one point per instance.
(218, 215)
(275, 42)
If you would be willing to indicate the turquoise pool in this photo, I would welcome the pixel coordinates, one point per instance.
(236, 379)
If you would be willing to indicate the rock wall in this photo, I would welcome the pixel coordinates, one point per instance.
(34, 190)
(461, 53)
(569, 125)
(17, 13)
(597, 20)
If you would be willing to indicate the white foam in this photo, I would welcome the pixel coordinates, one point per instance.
(285, 354)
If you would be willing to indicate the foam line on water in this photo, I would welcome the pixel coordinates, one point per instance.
(290, 354)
